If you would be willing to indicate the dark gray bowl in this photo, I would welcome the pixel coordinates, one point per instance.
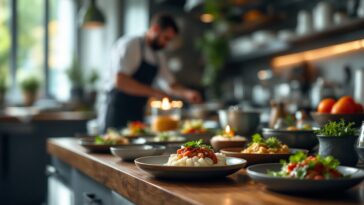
(323, 118)
(154, 165)
(259, 173)
(303, 139)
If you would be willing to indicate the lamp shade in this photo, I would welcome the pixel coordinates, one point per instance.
(90, 16)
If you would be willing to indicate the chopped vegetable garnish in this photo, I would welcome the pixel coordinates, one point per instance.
(302, 166)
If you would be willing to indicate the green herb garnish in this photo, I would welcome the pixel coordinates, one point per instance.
(197, 144)
(270, 142)
(337, 129)
(99, 140)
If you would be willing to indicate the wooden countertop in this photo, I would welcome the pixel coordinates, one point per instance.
(139, 187)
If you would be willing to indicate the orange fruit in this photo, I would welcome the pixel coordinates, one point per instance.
(347, 100)
(343, 107)
(326, 105)
(359, 108)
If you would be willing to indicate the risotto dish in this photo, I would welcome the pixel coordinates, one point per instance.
(195, 154)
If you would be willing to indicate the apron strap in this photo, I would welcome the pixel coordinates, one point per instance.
(142, 50)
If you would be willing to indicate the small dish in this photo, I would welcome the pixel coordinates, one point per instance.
(303, 139)
(259, 173)
(218, 144)
(131, 152)
(176, 140)
(258, 158)
(90, 145)
(154, 165)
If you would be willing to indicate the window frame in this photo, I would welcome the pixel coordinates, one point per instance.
(14, 46)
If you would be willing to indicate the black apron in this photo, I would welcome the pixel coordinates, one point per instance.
(122, 107)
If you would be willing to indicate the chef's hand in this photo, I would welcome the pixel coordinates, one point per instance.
(160, 94)
(192, 96)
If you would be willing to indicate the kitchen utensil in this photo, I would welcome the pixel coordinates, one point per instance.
(322, 16)
(304, 23)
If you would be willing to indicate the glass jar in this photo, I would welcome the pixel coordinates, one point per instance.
(166, 115)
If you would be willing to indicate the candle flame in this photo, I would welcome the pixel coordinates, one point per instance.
(166, 105)
(228, 131)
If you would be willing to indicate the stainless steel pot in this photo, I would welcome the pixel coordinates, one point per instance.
(243, 122)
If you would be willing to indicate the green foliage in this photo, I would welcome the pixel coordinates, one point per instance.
(271, 142)
(92, 79)
(75, 74)
(215, 50)
(196, 144)
(337, 129)
(3, 81)
(30, 84)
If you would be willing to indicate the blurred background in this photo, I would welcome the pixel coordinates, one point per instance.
(234, 52)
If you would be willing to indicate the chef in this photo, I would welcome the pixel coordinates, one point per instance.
(136, 62)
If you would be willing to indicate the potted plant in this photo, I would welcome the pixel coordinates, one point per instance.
(76, 78)
(91, 82)
(338, 139)
(30, 87)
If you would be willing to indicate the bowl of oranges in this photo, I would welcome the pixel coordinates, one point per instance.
(334, 110)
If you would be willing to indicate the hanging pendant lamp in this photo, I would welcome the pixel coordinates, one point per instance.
(90, 16)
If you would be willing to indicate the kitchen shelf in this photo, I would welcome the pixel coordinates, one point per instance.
(337, 34)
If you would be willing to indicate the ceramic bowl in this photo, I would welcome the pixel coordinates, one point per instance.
(219, 144)
(131, 152)
(303, 139)
(323, 118)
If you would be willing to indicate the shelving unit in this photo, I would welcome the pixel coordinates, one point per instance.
(334, 35)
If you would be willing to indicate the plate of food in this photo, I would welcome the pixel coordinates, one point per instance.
(104, 142)
(306, 174)
(136, 129)
(194, 160)
(194, 130)
(162, 138)
(262, 150)
(227, 139)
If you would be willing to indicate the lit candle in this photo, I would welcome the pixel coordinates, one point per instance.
(228, 132)
(166, 104)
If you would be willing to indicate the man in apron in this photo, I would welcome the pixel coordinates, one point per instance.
(135, 64)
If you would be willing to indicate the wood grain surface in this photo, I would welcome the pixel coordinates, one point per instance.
(139, 187)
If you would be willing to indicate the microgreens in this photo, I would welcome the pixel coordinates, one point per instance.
(337, 129)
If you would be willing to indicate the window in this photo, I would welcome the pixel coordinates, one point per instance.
(27, 49)
(4, 38)
(30, 38)
(62, 49)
